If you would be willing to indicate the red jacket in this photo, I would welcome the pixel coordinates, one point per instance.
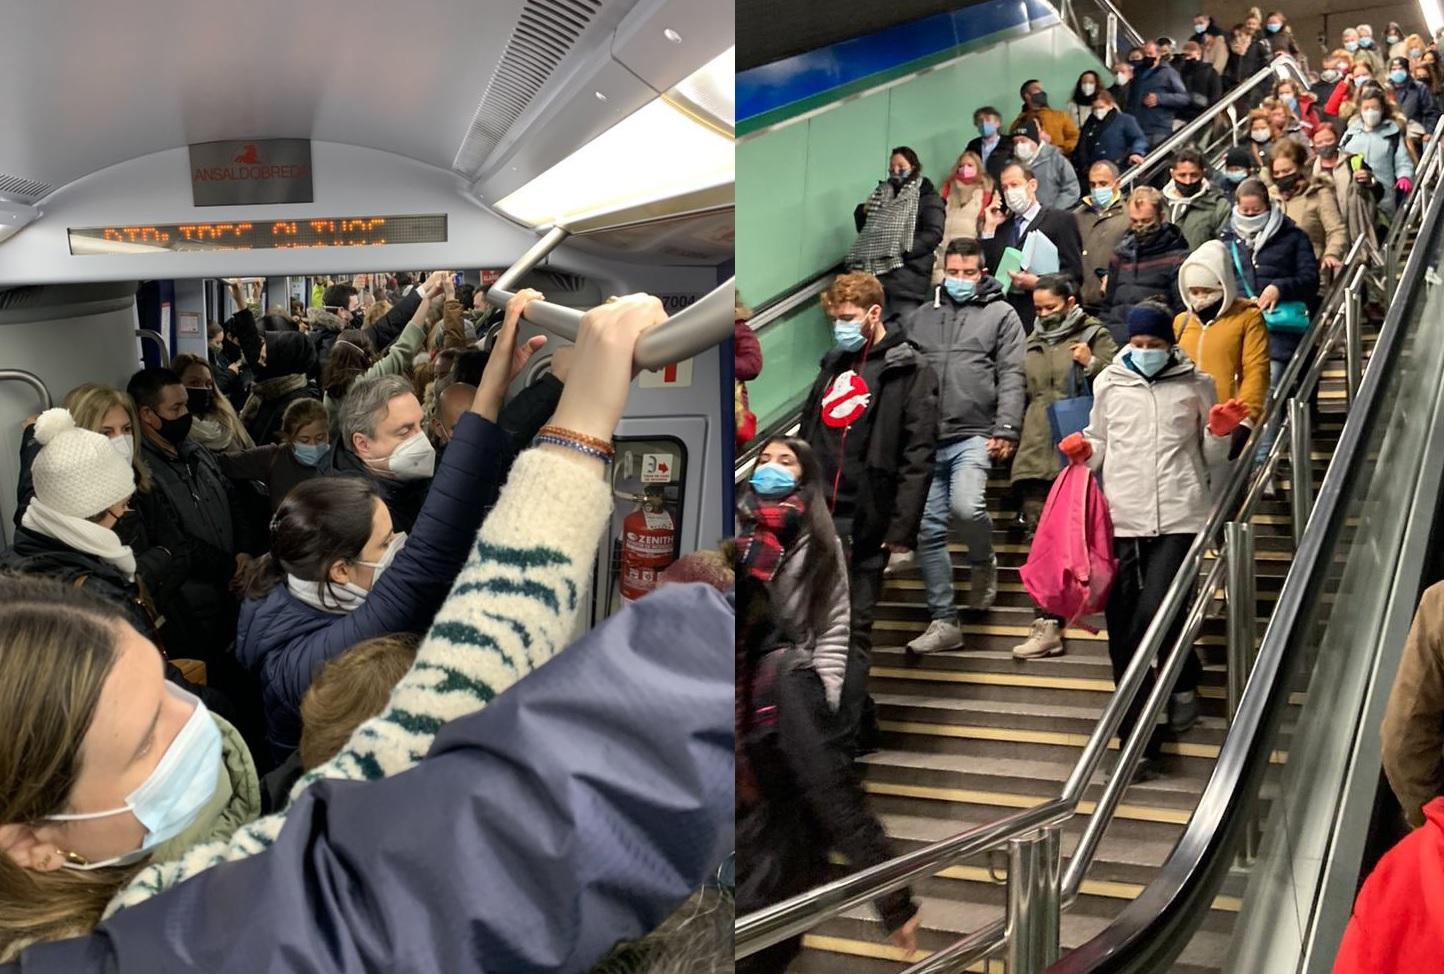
(746, 351)
(1398, 921)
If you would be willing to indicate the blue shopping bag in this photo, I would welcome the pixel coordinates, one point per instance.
(1070, 415)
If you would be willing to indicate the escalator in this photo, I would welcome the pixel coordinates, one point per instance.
(981, 753)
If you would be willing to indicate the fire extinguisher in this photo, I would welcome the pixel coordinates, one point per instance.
(649, 539)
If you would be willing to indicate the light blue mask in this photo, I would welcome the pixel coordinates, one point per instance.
(1148, 361)
(1366, 42)
(1103, 197)
(902, 175)
(1398, 76)
(988, 129)
(958, 289)
(1273, 28)
(1235, 176)
(311, 454)
(1351, 46)
(848, 334)
(1293, 103)
(172, 796)
(773, 480)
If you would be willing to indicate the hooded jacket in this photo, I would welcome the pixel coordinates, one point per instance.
(1113, 139)
(1141, 270)
(1201, 216)
(284, 641)
(325, 327)
(1315, 209)
(1385, 154)
(976, 348)
(1101, 231)
(1057, 182)
(1398, 920)
(910, 281)
(1285, 259)
(826, 634)
(1151, 441)
(1048, 369)
(1163, 81)
(883, 462)
(1233, 346)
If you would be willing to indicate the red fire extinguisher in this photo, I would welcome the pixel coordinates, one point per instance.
(649, 538)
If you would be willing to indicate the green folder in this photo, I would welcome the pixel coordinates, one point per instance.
(1012, 260)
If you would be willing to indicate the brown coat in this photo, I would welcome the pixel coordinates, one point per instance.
(1047, 368)
(963, 207)
(1412, 745)
(1101, 233)
(1316, 211)
(1233, 350)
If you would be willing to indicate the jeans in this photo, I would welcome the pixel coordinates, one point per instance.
(958, 491)
(1266, 441)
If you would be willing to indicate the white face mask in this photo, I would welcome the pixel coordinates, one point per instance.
(414, 459)
(1089, 88)
(1101, 113)
(1017, 200)
(392, 550)
(1025, 151)
(1372, 117)
(1260, 135)
(123, 445)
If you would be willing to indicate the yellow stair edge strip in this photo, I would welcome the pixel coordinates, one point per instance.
(994, 679)
(881, 951)
(1137, 813)
(1183, 748)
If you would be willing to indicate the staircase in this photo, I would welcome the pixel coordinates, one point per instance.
(972, 735)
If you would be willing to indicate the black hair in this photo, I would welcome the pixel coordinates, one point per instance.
(963, 247)
(321, 521)
(822, 570)
(404, 280)
(1022, 88)
(1081, 99)
(338, 296)
(1063, 285)
(147, 386)
(351, 355)
(278, 323)
(466, 294)
(1189, 154)
(470, 364)
(912, 158)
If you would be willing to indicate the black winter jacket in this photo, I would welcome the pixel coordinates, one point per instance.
(1204, 86)
(1140, 271)
(911, 281)
(886, 455)
(1287, 261)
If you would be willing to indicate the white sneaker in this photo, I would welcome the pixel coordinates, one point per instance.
(983, 586)
(898, 562)
(1046, 639)
(941, 636)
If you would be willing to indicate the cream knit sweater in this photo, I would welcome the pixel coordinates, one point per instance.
(511, 609)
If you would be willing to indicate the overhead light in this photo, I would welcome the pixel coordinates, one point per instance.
(665, 149)
(672, 36)
(712, 88)
(15, 217)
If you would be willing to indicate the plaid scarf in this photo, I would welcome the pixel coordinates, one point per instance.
(887, 233)
(769, 529)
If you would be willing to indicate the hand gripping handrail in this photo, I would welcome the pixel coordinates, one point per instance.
(692, 330)
(800, 913)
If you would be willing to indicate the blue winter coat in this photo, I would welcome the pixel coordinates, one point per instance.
(1114, 139)
(285, 641)
(1286, 260)
(536, 833)
(1163, 81)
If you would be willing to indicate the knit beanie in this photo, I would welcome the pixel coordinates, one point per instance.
(1027, 129)
(77, 472)
(1152, 320)
(1238, 157)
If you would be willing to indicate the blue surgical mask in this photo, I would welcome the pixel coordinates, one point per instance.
(1293, 103)
(1149, 361)
(959, 289)
(848, 334)
(1398, 76)
(1102, 197)
(311, 454)
(1235, 176)
(902, 174)
(988, 129)
(1351, 46)
(1273, 28)
(172, 796)
(1366, 42)
(773, 480)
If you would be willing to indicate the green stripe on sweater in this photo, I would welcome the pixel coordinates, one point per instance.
(468, 635)
(522, 632)
(412, 723)
(506, 586)
(457, 682)
(536, 557)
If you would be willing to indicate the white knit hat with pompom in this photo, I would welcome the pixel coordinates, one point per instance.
(77, 472)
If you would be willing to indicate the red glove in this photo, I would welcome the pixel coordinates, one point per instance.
(1225, 417)
(1404, 184)
(1075, 448)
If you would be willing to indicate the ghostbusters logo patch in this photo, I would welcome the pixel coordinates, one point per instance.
(845, 400)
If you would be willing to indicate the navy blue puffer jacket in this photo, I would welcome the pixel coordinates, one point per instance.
(1287, 261)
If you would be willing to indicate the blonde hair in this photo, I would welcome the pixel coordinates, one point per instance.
(984, 181)
(57, 648)
(349, 690)
(377, 311)
(88, 405)
(1149, 195)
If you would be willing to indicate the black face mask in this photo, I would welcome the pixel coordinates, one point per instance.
(175, 431)
(1328, 152)
(1209, 311)
(1287, 183)
(1038, 99)
(1188, 189)
(198, 401)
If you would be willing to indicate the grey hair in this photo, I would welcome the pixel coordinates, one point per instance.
(366, 404)
(696, 939)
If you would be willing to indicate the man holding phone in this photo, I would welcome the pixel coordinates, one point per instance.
(1014, 214)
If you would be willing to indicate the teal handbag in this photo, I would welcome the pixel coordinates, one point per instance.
(1290, 317)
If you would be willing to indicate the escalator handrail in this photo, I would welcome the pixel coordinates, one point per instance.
(1158, 918)
(772, 924)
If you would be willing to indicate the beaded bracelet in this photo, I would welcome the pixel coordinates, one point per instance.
(570, 444)
(604, 446)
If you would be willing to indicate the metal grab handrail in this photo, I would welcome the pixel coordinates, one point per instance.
(694, 329)
(30, 379)
(150, 335)
(773, 924)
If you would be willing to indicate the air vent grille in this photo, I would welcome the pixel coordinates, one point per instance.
(23, 190)
(544, 35)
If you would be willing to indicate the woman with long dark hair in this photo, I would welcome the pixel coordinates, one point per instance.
(788, 541)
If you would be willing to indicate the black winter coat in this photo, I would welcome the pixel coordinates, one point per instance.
(1140, 271)
(886, 455)
(1002, 155)
(1061, 227)
(912, 281)
(1417, 104)
(1287, 261)
(1204, 86)
(1240, 68)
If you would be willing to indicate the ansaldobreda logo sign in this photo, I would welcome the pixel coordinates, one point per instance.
(247, 172)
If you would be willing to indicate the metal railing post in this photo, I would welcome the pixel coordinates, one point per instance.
(1110, 41)
(1033, 901)
(1300, 464)
(1353, 338)
(1242, 640)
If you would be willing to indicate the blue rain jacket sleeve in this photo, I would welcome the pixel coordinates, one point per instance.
(578, 809)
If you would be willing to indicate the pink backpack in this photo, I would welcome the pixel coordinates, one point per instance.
(1071, 565)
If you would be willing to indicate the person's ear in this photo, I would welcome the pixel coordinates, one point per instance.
(360, 446)
(339, 572)
(150, 417)
(26, 849)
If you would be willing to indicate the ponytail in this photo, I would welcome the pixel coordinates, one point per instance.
(261, 575)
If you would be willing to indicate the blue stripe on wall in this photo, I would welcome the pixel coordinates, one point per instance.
(772, 86)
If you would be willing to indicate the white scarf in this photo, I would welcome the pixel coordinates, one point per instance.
(80, 534)
(333, 598)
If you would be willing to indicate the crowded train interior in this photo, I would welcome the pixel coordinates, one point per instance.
(1088, 483)
(356, 360)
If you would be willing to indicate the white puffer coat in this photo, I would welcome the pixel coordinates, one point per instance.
(1152, 443)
